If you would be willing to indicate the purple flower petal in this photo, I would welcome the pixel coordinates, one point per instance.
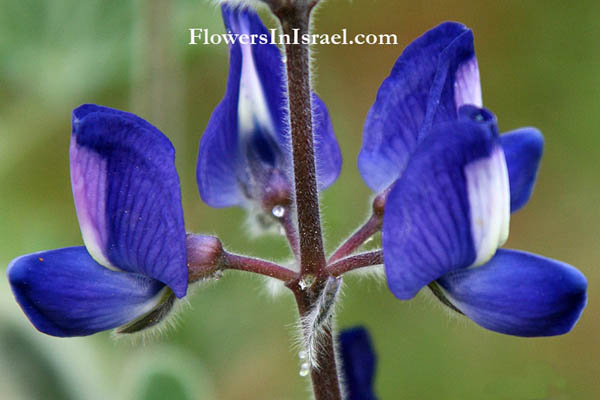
(518, 293)
(127, 195)
(434, 76)
(450, 208)
(523, 149)
(328, 156)
(358, 363)
(65, 292)
(246, 142)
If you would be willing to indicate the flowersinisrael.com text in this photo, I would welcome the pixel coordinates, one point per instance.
(203, 36)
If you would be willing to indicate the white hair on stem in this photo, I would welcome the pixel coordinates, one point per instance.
(312, 326)
(169, 321)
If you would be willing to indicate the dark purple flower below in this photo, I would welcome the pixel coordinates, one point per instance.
(358, 362)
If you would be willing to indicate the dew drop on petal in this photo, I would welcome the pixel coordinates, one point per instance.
(304, 369)
(278, 211)
(302, 354)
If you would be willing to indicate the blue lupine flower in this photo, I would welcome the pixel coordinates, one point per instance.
(454, 182)
(245, 152)
(358, 363)
(432, 79)
(128, 203)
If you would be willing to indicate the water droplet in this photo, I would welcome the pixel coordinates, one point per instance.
(306, 282)
(304, 369)
(302, 354)
(278, 211)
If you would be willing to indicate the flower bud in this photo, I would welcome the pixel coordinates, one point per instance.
(204, 255)
(379, 202)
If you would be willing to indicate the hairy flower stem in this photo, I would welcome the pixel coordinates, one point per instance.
(368, 229)
(294, 16)
(257, 266)
(362, 260)
(291, 234)
(312, 256)
(325, 382)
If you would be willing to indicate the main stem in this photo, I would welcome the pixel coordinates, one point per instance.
(294, 17)
(326, 385)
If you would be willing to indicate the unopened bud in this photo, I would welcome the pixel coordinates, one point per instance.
(204, 256)
(379, 202)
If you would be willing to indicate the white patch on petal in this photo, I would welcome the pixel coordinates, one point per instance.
(252, 104)
(489, 201)
(88, 181)
(467, 87)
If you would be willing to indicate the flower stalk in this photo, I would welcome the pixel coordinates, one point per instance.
(294, 16)
(362, 234)
(257, 266)
(291, 233)
(367, 259)
(358, 238)
(312, 256)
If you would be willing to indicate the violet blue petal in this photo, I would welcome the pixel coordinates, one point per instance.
(247, 137)
(127, 195)
(434, 76)
(328, 156)
(518, 293)
(523, 149)
(358, 363)
(450, 208)
(65, 292)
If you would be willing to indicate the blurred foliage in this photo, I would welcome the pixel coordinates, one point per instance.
(539, 64)
(28, 363)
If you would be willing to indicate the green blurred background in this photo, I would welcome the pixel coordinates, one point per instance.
(540, 65)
